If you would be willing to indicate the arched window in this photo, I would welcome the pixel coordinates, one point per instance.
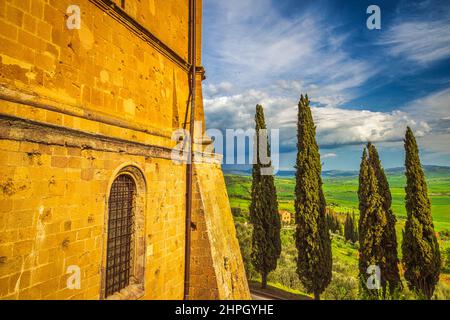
(123, 261)
(121, 219)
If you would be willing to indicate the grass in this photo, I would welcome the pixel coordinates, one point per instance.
(341, 193)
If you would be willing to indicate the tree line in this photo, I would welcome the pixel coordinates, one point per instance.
(375, 230)
(350, 229)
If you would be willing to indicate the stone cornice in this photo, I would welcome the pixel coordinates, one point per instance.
(41, 102)
(17, 129)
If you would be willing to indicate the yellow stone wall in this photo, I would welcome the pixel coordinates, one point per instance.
(52, 216)
(76, 106)
(217, 266)
(153, 14)
(103, 67)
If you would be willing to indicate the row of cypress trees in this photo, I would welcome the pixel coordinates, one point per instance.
(334, 225)
(350, 228)
(377, 237)
(312, 237)
(376, 228)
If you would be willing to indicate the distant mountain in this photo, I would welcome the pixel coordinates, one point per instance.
(248, 172)
(339, 173)
(286, 173)
(237, 172)
(429, 169)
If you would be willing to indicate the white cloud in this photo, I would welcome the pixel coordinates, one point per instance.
(255, 45)
(316, 93)
(218, 89)
(251, 47)
(435, 110)
(335, 126)
(328, 155)
(420, 41)
(435, 106)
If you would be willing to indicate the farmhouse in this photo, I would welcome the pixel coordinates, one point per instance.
(285, 216)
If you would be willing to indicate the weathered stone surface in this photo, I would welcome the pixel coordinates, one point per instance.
(77, 106)
(216, 260)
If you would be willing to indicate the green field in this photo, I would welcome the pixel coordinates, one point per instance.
(341, 194)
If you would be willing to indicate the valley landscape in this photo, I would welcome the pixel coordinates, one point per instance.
(340, 188)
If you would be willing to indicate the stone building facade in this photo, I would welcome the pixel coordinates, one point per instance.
(86, 123)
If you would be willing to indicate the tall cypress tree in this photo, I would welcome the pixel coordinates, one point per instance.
(363, 192)
(372, 225)
(266, 243)
(421, 256)
(355, 228)
(312, 237)
(389, 243)
(350, 228)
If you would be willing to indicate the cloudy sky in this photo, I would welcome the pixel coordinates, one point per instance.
(364, 85)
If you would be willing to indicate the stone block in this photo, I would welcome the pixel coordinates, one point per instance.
(14, 15)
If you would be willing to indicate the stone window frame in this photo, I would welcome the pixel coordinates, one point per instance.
(135, 289)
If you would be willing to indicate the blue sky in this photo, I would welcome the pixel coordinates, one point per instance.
(365, 85)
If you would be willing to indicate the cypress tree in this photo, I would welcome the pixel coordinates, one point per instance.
(363, 192)
(349, 228)
(421, 256)
(355, 228)
(372, 225)
(333, 223)
(389, 243)
(312, 237)
(329, 223)
(266, 242)
(338, 226)
(346, 224)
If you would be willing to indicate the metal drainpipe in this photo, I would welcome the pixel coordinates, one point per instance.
(189, 167)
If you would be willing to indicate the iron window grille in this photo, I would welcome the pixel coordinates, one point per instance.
(119, 262)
